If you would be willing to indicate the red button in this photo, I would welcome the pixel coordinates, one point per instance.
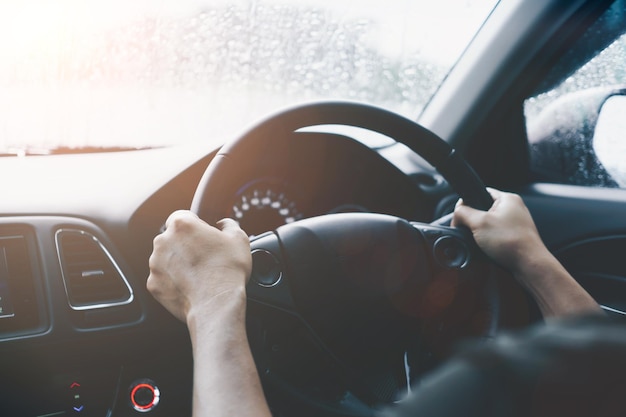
(144, 396)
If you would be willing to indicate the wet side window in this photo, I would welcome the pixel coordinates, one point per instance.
(577, 128)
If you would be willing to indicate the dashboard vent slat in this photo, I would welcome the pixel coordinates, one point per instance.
(91, 276)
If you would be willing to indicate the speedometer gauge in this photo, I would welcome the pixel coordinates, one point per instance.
(264, 205)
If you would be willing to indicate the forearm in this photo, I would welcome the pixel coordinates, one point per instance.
(556, 292)
(508, 235)
(226, 382)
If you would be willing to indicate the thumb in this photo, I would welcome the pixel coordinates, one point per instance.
(470, 217)
(466, 216)
(228, 225)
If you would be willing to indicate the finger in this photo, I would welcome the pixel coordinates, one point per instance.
(179, 214)
(151, 284)
(454, 222)
(229, 225)
(495, 193)
(466, 216)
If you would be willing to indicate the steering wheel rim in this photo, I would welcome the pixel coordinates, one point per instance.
(222, 178)
(270, 132)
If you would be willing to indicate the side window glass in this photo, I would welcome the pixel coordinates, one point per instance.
(576, 129)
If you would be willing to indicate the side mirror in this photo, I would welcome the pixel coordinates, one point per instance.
(609, 140)
(563, 139)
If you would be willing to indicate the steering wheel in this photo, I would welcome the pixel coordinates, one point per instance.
(347, 310)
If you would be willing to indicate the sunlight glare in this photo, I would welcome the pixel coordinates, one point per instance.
(33, 29)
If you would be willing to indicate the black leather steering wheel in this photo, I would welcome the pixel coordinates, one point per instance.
(362, 290)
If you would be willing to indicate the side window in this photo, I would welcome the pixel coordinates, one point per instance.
(577, 127)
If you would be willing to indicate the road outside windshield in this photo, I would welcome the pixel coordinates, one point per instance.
(145, 73)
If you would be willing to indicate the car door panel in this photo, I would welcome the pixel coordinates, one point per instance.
(586, 230)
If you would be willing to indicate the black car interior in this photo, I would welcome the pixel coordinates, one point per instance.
(81, 336)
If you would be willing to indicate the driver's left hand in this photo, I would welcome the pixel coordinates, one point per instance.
(195, 265)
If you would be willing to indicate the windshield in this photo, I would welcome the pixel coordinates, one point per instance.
(146, 73)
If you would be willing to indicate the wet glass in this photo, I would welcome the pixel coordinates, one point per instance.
(151, 73)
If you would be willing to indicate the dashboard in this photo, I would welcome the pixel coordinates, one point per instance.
(79, 334)
(320, 174)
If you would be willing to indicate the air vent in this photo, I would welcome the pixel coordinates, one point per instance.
(92, 278)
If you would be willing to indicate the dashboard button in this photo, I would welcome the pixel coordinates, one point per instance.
(144, 395)
(266, 269)
(451, 252)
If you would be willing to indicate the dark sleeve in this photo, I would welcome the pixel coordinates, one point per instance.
(459, 388)
(570, 368)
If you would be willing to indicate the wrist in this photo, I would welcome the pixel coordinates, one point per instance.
(528, 256)
(540, 272)
(227, 307)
